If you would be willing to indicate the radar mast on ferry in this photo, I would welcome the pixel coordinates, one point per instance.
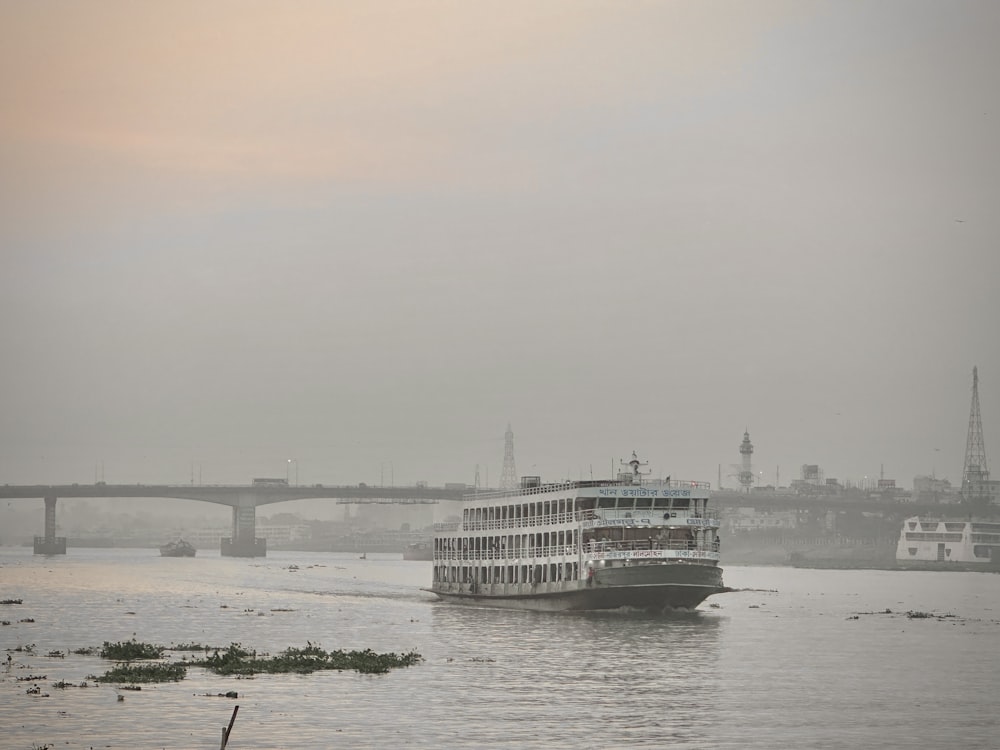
(635, 464)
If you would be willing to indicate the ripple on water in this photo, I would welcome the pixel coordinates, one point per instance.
(781, 665)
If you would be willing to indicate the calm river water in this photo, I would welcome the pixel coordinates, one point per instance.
(798, 659)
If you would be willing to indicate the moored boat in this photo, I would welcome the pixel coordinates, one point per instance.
(419, 551)
(177, 548)
(937, 544)
(586, 545)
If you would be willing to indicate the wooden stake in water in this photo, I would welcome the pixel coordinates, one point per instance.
(227, 730)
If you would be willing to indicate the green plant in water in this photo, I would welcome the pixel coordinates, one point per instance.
(133, 673)
(191, 647)
(131, 650)
(238, 661)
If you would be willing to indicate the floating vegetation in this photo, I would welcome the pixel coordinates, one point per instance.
(32, 678)
(227, 694)
(29, 649)
(191, 647)
(4, 622)
(27, 619)
(910, 614)
(132, 673)
(12, 601)
(85, 651)
(62, 684)
(237, 660)
(130, 687)
(56, 655)
(131, 650)
(927, 615)
(281, 609)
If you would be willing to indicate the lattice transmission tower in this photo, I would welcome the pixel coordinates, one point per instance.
(508, 477)
(975, 475)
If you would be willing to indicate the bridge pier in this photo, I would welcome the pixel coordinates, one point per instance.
(244, 541)
(50, 544)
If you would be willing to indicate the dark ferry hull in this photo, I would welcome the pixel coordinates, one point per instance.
(644, 587)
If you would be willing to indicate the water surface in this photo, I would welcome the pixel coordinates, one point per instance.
(803, 659)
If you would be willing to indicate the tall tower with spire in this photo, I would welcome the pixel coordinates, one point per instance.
(746, 472)
(975, 475)
(508, 476)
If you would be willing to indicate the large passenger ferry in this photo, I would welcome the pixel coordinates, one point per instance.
(585, 545)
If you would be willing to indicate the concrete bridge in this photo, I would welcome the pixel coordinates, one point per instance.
(243, 499)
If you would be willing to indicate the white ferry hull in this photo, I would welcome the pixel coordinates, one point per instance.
(646, 587)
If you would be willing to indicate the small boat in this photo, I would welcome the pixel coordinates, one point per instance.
(177, 548)
(419, 551)
(586, 545)
(363, 556)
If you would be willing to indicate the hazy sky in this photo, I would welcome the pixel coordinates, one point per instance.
(368, 235)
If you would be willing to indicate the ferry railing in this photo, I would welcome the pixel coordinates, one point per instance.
(597, 548)
(497, 524)
(673, 484)
(551, 519)
(568, 550)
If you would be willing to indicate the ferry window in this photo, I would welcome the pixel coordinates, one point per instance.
(606, 502)
(643, 503)
(661, 503)
(680, 503)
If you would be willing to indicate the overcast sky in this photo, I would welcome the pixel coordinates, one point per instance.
(368, 235)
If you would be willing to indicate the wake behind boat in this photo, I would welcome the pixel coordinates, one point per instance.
(177, 548)
(585, 545)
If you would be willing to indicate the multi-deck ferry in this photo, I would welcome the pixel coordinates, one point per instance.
(585, 545)
(937, 544)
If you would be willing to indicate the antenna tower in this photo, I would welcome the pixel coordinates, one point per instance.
(746, 472)
(975, 475)
(508, 476)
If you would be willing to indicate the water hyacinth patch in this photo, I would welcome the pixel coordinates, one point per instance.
(131, 650)
(236, 660)
(144, 673)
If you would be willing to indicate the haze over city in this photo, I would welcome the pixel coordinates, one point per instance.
(351, 242)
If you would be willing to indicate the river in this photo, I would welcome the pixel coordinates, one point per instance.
(795, 658)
